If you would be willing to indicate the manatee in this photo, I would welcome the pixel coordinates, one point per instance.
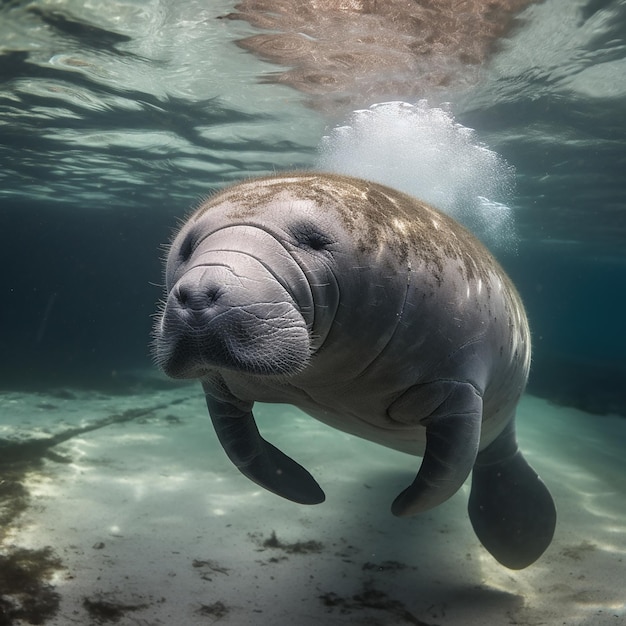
(372, 312)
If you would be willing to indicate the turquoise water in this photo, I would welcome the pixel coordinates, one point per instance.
(117, 118)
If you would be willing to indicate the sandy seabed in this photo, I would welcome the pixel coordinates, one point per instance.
(149, 523)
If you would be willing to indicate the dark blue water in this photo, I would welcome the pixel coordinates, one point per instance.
(115, 120)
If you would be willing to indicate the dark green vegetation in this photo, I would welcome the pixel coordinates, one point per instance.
(102, 611)
(26, 595)
(372, 598)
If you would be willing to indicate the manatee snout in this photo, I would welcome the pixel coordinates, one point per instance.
(195, 297)
(203, 293)
(235, 316)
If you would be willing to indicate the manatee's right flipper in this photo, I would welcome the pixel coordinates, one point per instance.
(258, 459)
(511, 510)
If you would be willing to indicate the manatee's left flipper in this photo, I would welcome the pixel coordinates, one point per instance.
(511, 509)
(258, 459)
(452, 437)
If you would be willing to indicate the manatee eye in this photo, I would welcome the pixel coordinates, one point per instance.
(310, 236)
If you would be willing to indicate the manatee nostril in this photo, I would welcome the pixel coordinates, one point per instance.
(191, 297)
(182, 295)
(212, 295)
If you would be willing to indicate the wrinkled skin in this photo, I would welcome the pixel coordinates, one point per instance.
(375, 314)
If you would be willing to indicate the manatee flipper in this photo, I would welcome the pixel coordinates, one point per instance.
(452, 437)
(258, 459)
(511, 509)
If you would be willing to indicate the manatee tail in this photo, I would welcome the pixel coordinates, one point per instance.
(511, 509)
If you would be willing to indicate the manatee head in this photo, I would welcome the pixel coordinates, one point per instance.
(242, 281)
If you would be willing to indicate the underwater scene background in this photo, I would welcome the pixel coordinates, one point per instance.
(116, 119)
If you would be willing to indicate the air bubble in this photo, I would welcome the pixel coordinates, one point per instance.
(423, 151)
